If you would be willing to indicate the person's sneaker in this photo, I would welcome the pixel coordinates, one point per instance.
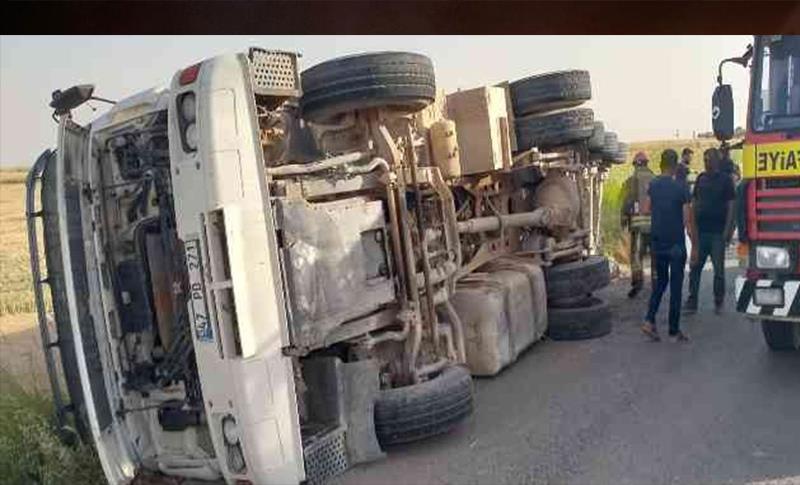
(679, 337)
(634, 291)
(650, 330)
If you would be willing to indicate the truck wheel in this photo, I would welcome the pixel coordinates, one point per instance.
(597, 141)
(553, 129)
(621, 155)
(781, 335)
(550, 91)
(570, 280)
(419, 411)
(590, 318)
(610, 146)
(399, 80)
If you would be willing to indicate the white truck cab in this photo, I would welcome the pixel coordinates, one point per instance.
(258, 278)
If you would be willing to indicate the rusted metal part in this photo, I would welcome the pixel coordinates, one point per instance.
(388, 150)
(429, 369)
(458, 329)
(540, 217)
(308, 168)
(161, 283)
(426, 264)
(397, 250)
(566, 252)
(368, 324)
(446, 332)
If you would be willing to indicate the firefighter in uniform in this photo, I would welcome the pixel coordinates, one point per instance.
(635, 220)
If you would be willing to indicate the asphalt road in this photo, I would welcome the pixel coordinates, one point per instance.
(621, 410)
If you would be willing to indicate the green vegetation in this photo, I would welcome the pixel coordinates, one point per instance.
(30, 449)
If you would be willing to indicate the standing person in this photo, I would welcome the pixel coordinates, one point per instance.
(712, 220)
(636, 220)
(727, 166)
(685, 176)
(669, 207)
(684, 167)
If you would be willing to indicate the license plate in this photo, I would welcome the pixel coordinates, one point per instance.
(197, 291)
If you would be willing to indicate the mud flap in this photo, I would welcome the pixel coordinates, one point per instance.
(341, 400)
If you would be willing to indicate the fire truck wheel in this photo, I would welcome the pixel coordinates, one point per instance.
(573, 279)
(591, 318)
(554, 129)
(597, 140)
(550, 91)
(399, 80)
(418, 411)
(781, 335)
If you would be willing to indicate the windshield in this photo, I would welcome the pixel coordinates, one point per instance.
(776, 84)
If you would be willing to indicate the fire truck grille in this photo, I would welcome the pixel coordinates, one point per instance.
(774, 209)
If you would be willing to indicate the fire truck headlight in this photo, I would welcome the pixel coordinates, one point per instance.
(772, 257)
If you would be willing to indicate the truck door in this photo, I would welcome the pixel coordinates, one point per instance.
(236, 308)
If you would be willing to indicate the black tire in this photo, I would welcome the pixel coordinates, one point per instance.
(610, 145)
(781, 335)
(621, 154)
(400, 80)
(554, 129)
(577, 278)
(550, 91)
(588, 319)
(419, 411)
(597, 141)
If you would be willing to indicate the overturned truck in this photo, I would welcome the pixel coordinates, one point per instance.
(266, 276)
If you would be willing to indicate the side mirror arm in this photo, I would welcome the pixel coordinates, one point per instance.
(741, 60)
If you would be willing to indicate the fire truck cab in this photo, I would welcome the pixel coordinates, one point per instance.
(768, 197)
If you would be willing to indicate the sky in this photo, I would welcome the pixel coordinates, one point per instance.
(643, 87)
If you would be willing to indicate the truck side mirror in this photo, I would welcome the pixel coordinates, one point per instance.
(69, 99)
(722, 112)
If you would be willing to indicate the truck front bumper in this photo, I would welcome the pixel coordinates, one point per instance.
(768, 299)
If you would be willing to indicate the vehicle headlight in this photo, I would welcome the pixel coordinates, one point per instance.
(187, 117)
(188, 108)
(190, 134)
(230, 430)
(772, 257)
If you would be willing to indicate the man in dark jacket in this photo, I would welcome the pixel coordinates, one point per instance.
(712, 220)
(684, 167)
(669, 208)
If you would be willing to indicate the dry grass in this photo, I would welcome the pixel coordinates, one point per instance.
(16, 295)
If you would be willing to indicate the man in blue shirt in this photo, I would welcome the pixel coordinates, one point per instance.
(669, 208)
